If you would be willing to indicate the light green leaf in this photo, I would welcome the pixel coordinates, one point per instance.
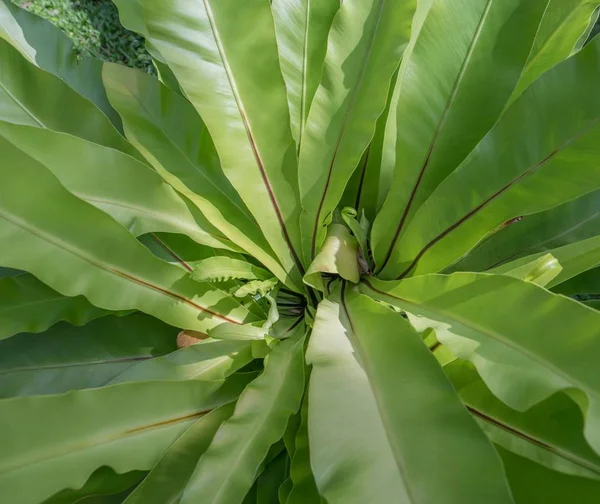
(349, 216)
(526, 235)
(541, 271)
(549, 433)
(50, 232)
(206, 360)
(218, 269)
(24, 92)
(338, 256)
(256, 287)
(49, 48)
(200, 42)
(81, 431)
(27, 305)
(234, 332)
(301, 27)
(522, 364)
(168, 479)
(228, 468)
(129, 191)
(170, 134)
(574, 258)
(450, 91)
(365, 44)
(365, 354)
(564, 25)
(66, 357)
(545, 167)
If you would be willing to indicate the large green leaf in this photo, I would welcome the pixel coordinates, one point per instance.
(229, 466)
(168, 131)
(55, 442)
(565, 24)
(531, 482)
(451, 90)
(168, 479)
(27, 305)
(529, 234)
(410, 427)
(521, 363)
(129, 191)
(24, 92)
(49, 230)
(549, 433)
(232, 85)
(67, 357)
(364, 48)
(301, 27)
(49, 48)
(552, 159)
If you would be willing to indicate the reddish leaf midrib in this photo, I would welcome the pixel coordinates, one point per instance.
(437, 133)
(344, 124)
(251, 139)
(498, 193)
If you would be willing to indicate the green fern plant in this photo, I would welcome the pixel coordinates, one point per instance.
(341, 252)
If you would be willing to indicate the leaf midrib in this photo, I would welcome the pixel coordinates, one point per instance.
(22, 106)
(16, 221)
(493, 335)
(528, 171)
(400, 463)
(354, 99)
(551, 38)
(254, 147)
(171, 141)
(544, 445)
(524, 252)
(438, 130)
(25, 304)
(77, 364)
(160, 217)
(90, 445)
(257, 431)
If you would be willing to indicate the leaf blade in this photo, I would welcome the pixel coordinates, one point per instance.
(228, 468)
(46, 220)
(365, 44)
(430, 116)
(396, 370)
(256, 150)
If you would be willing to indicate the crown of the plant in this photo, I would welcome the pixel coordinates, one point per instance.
(333, 251)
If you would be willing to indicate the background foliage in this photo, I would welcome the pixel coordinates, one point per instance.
(94, 27)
